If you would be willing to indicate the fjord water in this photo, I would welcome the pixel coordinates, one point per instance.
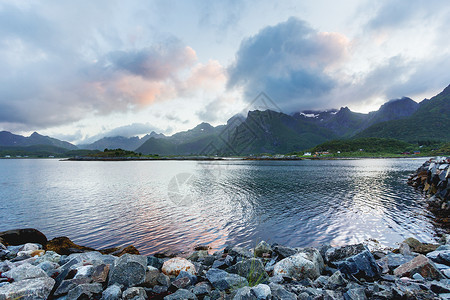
(173, 205)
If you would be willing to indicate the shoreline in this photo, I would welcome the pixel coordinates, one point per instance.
(33, 268)
(233, 158)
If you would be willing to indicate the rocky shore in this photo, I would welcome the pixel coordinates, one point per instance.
(33, 268)
(432, 179)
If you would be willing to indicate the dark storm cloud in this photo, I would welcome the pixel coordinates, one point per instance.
(291, 62)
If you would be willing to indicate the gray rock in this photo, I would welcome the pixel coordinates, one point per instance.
(67, 285)
(128, 270)
(163, 280)
(202, 289)
(283, 252)
(151, 277)
(252, 269)
(442, 286)
(278, 279)
(85, 290)
(340, 253)
(262, 292)
(280, 293)
(219, 264)
(336, 280)
(25, 271)
(222, 280)
(394, 260)
(30, 289)
(446, 272)
(443, 247)
(440, 256)
(92, 257)
(240, 252)
(113, 292)
(355, 294)
(50, 268)
(417, 276)
(49, 256)
(84, 271)
(192, 278)
(321, 281)
(362, 265)
(159, 289)
(244, 293)
(306, 264)
(180, 283)
(155, 262)
(134, 293)
(332, 295)
(181, 294)
(262, 248)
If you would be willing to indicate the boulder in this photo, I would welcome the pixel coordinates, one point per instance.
(306, 264)
(420, 264)
(174, 265)
(25, 271)
(67, 285)
(85, 291)
(392, 261)
(362, 265)
(100, 273)
(355, 294)
(283, 252)
(240, 252)
(155, 262)
(223, 280)
(30, 289)
(440, 256)
(244, 293)
(181, 294)
(336, 280)
(134, 293)
(50, 268)
(262, 248)
(128, 270)
(262, 292)
(340, 253)
(22, 236)
(252, 269)
(151, 277)
(202, 289)
(280, 293)
(113, 292)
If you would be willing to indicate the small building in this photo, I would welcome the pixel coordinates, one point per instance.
(307, 154)
(416, 152)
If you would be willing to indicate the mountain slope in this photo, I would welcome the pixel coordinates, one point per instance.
(10, 139)
(431, 121)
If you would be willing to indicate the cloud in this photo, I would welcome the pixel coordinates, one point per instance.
(290, 61)
(390, 15)
(56, 71)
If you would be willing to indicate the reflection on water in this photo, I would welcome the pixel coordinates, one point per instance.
(298, 203)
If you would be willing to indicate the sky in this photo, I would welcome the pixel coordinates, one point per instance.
(82, 70)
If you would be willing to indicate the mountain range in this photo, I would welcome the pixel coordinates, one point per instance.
(275, 132)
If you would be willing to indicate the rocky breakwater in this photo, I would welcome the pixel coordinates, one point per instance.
(414, 271)
(433, 179)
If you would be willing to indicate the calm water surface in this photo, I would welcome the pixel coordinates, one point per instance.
(172, 205)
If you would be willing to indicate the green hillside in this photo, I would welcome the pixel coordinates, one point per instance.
(371, 145)
(430, 122)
